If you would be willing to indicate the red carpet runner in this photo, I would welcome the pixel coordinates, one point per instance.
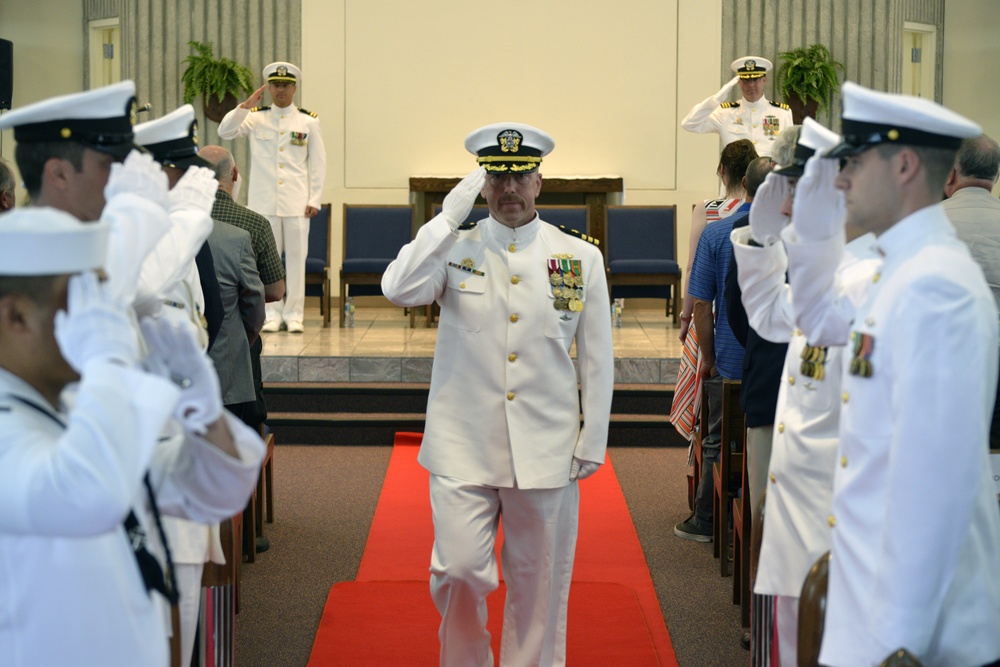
(386, 616)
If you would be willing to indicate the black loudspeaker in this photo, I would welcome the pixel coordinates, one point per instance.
(6, 72)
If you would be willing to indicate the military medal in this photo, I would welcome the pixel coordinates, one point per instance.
(864, 346)
(298, 138)
(813, 360)
(567, 282)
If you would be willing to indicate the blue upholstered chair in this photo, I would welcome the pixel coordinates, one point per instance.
(318, 261)
(373, 236)
(571, 217)
(642, 254)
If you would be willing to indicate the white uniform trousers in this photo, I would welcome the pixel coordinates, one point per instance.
(291, 236)
(540, 528)
(786, 621)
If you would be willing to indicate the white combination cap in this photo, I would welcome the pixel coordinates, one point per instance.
(751, 67)
(282, 71)
(813, 138)
(172, 139)
(871, 118)
(100, 119)
(509, 147)
(43, 241)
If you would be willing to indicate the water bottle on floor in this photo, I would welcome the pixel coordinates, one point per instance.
(349, 312)
(616, 313)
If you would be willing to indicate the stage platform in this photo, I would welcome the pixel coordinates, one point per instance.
(381, 347)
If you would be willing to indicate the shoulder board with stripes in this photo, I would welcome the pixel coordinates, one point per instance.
(730, 105)
(465, 226)
(781, 105)
(259, 109)
(308, 113)
(573, 232)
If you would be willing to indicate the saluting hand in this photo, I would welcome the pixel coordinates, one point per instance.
(818, 211)
(458, 204)
(766, 218)
(255, 98)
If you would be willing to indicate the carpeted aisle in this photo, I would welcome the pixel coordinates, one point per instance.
(386, 616)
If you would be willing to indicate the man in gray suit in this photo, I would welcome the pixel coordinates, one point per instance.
(975, 214)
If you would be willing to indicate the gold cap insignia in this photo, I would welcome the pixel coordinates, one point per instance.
(509, 141)
(282, 70)
(469, 263)
(751, 65)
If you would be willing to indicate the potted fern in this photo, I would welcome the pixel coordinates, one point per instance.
(219, 81)
(807, 79)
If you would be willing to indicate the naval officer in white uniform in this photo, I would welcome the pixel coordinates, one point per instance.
(800, 473)
(503, 433)
(754, 117)
(287, 171)
(915, 527)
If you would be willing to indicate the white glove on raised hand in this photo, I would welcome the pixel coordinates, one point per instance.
(195, 190)
(94, 327)
(766, 218)
(582, 469)
(174, 354)
(726, 87)
(818, 211)
(139, 174)
(458, 204)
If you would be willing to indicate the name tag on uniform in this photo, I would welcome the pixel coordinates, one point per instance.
(299, 138)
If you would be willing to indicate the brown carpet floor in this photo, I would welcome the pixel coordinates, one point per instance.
(325, 499)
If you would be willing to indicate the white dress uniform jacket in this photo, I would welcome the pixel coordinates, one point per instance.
(504, 405)
(288, 160)
(804, 449)
(72, 590)
(761, 122)
(916, 531)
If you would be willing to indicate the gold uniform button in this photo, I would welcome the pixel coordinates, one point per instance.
(510, 396)
(843, 461)
(781, 428)
(512, 247)
(876, 277)
(514, 280)
(511, 357)
(281, 166)
(513, 318)
(281, 150)
(461, 285)
(870, 322)
(773, 478)
(844, 397)
(282, 132)
(281, 182)
(797, 332)
(791, 379)
(831, 520)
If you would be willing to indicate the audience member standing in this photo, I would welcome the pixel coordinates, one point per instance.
(287, 171)
(975, 214)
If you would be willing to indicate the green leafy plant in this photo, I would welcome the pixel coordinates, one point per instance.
(207, 75)
(810, 73)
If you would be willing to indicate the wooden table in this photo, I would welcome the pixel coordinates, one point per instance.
(595, 192)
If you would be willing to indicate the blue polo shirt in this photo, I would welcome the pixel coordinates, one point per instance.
(708, 283)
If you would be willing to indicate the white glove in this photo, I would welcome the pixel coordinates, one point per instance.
(818, 211)
(94, 327)
(458, 204)
(766, 218)
(195, 190)
(139, 174)
(726, 87)
(582, 469)
(174, 354)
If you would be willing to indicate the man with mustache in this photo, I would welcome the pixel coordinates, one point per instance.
(503, 435)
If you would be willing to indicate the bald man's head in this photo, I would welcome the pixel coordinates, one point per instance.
(223, 163)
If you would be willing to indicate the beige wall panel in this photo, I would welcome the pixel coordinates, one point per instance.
(419, 78)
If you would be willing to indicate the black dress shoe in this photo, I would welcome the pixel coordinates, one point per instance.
(745, 641)
(262, 544)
